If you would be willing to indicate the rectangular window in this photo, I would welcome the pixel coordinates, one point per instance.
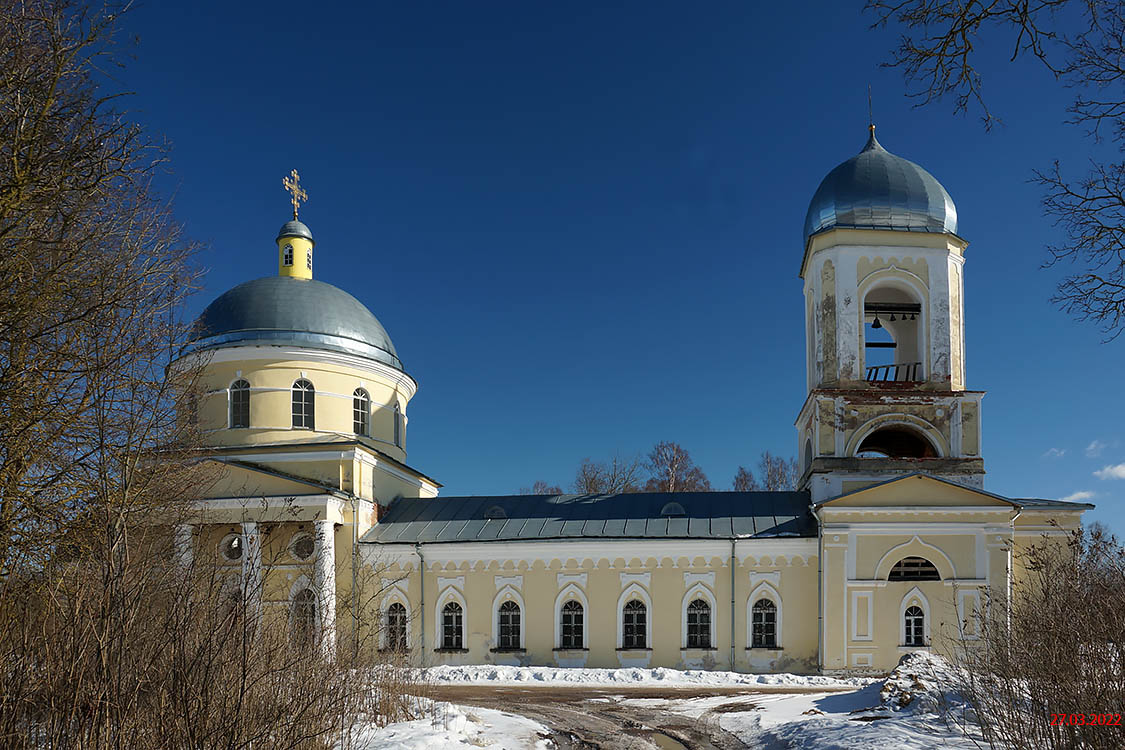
(509, 626)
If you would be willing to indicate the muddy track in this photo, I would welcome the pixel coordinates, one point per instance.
(589, 719)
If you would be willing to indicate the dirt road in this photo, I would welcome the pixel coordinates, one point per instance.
(588, 718)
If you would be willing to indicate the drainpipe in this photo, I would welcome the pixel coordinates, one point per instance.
(422, 595)
(355, 565)
(819, 590)
(732, 559)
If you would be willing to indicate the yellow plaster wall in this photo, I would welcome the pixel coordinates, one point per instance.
(271, 403)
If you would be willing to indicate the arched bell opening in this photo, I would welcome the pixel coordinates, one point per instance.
(896, 441)
(892, 344)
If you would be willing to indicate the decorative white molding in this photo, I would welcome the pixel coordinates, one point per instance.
(644, 579)
(691, 579)
(458, 581)
(862, 599)
(576, 578)
(502, 581)
(772, 577)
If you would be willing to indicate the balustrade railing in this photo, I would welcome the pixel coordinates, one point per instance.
(902, 372)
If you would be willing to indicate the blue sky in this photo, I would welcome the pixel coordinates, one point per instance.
(581, 223)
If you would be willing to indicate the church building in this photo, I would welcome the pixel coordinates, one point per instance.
(888, 545)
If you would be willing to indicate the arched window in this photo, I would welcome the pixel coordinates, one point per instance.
(398, 426)
(396, 627)
(509, 627)
(764, 614)
(699, 624)
(451, 626)
(287, 255)
(304, 617)
(360, 411)
(239, 404)
(572, 624)
(914, 627)
(914, 569)
(634, 617)
(304, 396)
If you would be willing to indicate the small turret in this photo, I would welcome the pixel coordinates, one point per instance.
(295, 241)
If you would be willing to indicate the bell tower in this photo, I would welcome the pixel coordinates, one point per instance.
(884, 328)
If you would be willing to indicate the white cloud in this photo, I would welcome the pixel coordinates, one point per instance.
(1095, 448)
(1055, 453)
(1077, 497)
(1111, 472)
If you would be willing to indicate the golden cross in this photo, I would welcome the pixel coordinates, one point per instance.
(293, 187)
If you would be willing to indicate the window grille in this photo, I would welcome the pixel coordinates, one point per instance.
(304, 617)
(699, 624)
(360, 411)
(914, 627)
(451, 630)
(396, 627)
(509, 626)
(239, 404)
(763, 624)
(304, 396)
(634, 617)
(572, 623)
(914, 569)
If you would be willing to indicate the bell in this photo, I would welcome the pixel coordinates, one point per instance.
(877, 323)
(913, 316)
(892, 317)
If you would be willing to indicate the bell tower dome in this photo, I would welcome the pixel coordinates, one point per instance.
(884, 326)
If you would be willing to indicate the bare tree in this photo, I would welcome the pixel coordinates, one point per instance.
(777, 474)
(106, 639)
(672, 470)
(618, 474)
(541, 488)
(1045, 667)
(1082, 43)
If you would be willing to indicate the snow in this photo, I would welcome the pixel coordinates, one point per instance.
(448, 726)
(911, 710)
(631, 677)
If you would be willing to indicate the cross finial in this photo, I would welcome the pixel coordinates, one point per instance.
(292, 185)
(870, 112)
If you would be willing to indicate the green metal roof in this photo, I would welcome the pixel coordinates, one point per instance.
(643, 515)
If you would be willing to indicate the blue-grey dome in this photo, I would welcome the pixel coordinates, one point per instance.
(295, 229)
(877, 190)
(285, 311)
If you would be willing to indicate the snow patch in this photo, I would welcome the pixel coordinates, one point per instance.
(631, 676)
(446, 726)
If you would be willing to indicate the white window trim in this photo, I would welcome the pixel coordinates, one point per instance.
(634, 591)
(698, 591)
(230, 403)
(913, 598)
(450, 594)
(764, 590)
(508, 593)
(575, 592)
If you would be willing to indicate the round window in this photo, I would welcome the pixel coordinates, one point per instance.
(231, 547)
(303, 547)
